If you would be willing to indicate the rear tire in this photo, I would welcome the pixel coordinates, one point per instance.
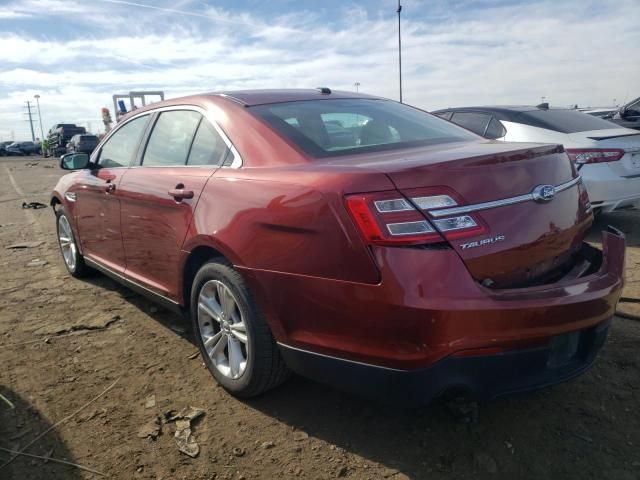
(71, 257)
(240, 351)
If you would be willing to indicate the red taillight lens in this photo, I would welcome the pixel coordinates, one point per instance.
(389, 218)
(583, 156)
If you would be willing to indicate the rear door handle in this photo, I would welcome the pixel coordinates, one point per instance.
(180, 193)
(110, 188)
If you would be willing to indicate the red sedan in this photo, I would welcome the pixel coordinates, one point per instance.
(349, 238)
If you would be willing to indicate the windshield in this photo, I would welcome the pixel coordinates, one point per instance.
(329, 128)
(565, 121)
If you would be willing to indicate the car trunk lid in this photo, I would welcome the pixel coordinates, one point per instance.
(617, 138)
(519, 239)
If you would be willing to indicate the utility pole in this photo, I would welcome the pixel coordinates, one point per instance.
(37, 97)
(399, 50)
(357, 85)
(33, 135)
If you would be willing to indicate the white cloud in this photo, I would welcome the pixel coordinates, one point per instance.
(503, 54)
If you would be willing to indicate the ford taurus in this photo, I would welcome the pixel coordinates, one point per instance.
(348, 238)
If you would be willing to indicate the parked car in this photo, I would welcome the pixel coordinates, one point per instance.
(3, 147)
(59, 135)
(607, 156)
(416, 260)
(22, 148)
(82, 143)
(627, 116)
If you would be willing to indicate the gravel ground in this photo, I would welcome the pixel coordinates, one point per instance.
(64, 341)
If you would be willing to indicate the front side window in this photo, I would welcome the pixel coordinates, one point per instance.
(171, 139)
(208, 146)
(328, 128)
(119, 149)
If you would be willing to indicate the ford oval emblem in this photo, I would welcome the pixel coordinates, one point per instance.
(543, 193)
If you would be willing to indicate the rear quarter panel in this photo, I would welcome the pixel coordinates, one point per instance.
(290, 221)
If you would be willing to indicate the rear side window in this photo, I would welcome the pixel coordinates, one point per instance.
(329, 128)
(118, 151)
(474, 121)
(565, 121)
(445, 115)
(495, 129)
(171, 138)
(208, 146)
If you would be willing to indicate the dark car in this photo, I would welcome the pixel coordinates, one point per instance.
(628, 115)
(82, 143)
(349, 238)
(3, 147)
(22, 148)
(59, 135)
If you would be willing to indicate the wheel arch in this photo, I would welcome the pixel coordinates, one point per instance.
(55, 200)
(197, 251)
(195, 258)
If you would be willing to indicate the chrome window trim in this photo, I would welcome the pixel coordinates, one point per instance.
(237, 159)
(499, 203)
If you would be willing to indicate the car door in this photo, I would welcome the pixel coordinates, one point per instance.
(98, 198)
(160, 194)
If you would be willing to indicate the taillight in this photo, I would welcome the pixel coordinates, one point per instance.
(388, 218)
(594, 155)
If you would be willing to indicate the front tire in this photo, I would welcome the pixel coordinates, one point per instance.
(68, 246)
(232, 334)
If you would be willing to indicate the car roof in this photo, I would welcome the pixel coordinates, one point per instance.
(501, 112)
(250, 98)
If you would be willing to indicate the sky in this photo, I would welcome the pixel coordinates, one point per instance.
(77, 54)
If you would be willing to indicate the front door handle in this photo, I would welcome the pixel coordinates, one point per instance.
(180, 193)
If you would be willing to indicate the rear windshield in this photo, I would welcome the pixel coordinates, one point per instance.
(329, 128)
(565, 121)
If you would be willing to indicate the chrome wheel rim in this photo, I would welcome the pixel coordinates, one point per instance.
(67, 244)
(222, 329)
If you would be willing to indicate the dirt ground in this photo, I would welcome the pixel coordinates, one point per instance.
(64, 341)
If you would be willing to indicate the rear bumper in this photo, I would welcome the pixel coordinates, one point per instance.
(482, 377)
(428, 326)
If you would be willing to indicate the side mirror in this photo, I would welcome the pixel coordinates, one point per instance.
(74, 161)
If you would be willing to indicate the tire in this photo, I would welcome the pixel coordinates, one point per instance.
(263, 367)
(71, 257)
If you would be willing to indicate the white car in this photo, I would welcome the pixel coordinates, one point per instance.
(607, 155)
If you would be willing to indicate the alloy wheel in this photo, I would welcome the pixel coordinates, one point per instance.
(67, 243)
(222, 329)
